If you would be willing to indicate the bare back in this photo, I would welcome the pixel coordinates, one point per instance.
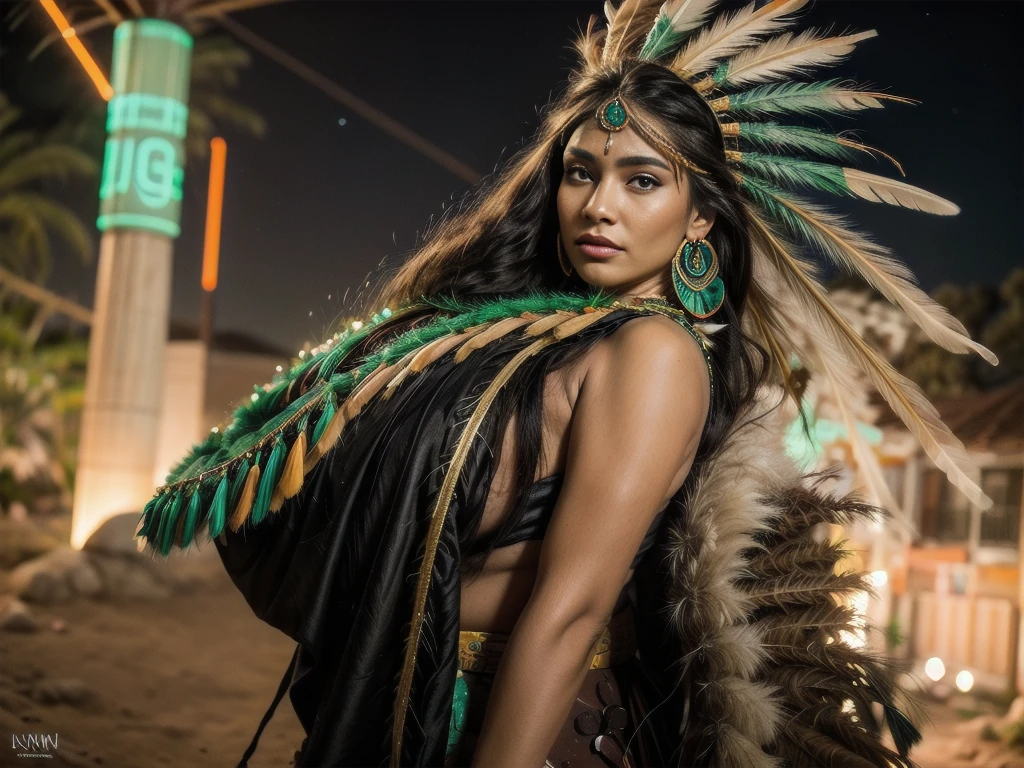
(493, 600)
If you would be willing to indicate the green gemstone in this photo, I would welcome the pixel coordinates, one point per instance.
(615, 114)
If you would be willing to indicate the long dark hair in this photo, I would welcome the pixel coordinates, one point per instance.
(500, 240)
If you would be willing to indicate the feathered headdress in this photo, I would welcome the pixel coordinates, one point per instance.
(743, 64)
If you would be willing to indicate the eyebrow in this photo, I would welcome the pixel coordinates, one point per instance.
(622, 162)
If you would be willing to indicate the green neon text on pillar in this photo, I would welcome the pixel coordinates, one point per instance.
(143, 167)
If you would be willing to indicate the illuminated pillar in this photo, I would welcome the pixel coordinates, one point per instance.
(140, 201)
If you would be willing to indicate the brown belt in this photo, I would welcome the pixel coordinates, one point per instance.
(481, 651)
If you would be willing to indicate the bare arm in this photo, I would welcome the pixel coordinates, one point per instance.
(636, 426)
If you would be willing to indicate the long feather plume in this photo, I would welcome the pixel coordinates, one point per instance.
(883, 190)
(815, 312)
(788, 54)
(828, 96)
(774, 136)
(627, 27)
(858, 255)
(730, 33)
(676, 19)
(796, 171)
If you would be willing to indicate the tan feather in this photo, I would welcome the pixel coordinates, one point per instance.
(496, 331)
(292, 474)
(818, 316)
(372, 384)
(883, 190)
(855, 253)
(589, 44)
(439, 348)
(276, 500)
(609, 11)
(628, 29)
(788, 54)
(576, 324)
(326, 442)
(730, 33)
(244, 505)
(429, 353)
(548, 322)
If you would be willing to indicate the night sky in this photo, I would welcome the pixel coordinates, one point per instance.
(317, 204)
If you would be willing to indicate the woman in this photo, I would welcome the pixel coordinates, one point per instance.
(533, 511)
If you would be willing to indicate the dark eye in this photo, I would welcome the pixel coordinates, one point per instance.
(647, 182)
(573, 169)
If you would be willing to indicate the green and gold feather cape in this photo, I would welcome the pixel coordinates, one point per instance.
(337, 496)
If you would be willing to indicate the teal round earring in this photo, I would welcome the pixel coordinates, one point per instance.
(695, 278)
(563, 262)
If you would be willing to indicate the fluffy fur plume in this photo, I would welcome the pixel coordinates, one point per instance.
(754, 594)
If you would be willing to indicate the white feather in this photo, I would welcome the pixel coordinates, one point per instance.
(882, 190)
(786, 54)
(733, 32)
(687, 14)
(818, 317)
(893, 279)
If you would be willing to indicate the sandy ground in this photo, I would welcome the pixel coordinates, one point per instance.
(184, 682)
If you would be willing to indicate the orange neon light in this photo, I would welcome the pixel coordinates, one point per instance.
(92, 69)
(214, 207)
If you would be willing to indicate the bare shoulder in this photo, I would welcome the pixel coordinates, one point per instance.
(648, 349)
(644, 391)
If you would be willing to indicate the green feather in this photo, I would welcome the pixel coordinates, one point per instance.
(662, 39)
(324, 420)
(241, 473)
(269, 475)
(147, 515)
(195, 505)
(218, 507)
(169, 524)
(800, 98)
(797, 172)
(768, 197)
(775, 136)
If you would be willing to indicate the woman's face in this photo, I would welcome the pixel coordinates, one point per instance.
(630, 198)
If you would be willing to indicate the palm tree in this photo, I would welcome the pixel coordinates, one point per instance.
(41, 392)
(27, 216)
